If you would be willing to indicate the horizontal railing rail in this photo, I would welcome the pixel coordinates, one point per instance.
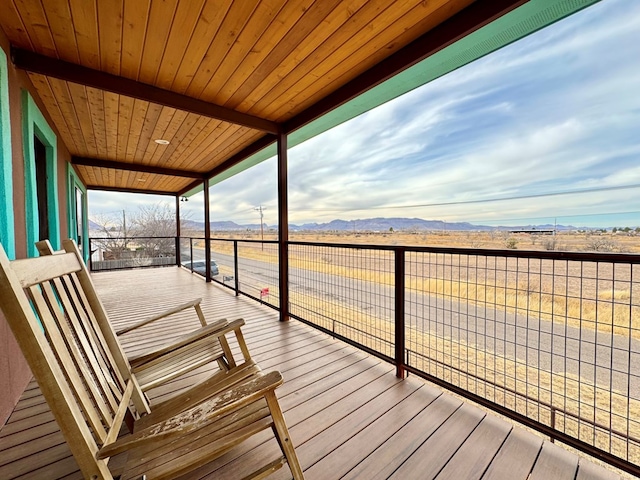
(550, 339)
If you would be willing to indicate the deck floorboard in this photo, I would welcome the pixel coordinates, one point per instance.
(349, 416)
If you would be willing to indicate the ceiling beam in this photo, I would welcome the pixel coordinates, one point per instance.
(133, 167)
(474, 17)
(71, 72)
(130, 190)
(243, 154)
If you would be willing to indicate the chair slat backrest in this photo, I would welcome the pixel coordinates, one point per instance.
(85, 354)
(70, 356)
(88, 333)
(52, 317)
(98, 318)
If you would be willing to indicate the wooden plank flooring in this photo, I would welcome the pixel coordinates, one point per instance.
(348, 415)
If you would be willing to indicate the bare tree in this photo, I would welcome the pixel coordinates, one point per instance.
(111, 235)
(150, 232)
(154, 229)
(603, 244)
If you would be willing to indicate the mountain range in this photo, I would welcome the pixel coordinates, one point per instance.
(379, 224)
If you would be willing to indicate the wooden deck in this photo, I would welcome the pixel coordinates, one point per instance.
(349, 416)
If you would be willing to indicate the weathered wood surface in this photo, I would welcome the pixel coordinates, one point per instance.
(347, 413)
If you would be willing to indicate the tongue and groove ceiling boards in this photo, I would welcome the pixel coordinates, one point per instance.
(217, 79)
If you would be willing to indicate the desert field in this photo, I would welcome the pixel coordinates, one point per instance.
(620, 242)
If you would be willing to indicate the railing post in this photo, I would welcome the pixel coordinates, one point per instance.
(90, 257)
(235, 267)
(178, 232)
(191, 253)
(399, 311)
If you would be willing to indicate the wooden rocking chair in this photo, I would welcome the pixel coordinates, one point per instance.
(52, 308)
(202, 346)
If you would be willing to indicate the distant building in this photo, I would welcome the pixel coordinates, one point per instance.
(533, 231)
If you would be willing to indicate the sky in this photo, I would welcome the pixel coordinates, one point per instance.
(544, 131)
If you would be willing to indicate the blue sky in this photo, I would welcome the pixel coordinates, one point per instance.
(544, 130)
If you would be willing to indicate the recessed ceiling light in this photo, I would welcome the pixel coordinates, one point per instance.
(161, 141)
(142, 179)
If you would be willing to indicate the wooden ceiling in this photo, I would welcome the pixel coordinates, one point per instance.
(217, 79)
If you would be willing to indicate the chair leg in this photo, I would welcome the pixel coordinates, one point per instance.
(282, 435)
(228, 360)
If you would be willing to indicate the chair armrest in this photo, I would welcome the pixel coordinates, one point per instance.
(217, 329)
(196, 417)
(171, 311)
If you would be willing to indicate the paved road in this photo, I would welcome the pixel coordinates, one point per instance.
(595, 357)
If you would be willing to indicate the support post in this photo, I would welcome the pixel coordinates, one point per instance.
(191, 253)
(283, 228)
(90, 256)
(178, 256)
(207, 233)
(399, 311)
(235, 267)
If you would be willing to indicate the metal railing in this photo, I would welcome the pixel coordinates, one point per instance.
(249, 267)
(551, 339)
(115, 253)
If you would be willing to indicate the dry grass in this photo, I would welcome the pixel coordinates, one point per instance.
(611, 312)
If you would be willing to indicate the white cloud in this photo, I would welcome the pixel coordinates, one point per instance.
(106, 203)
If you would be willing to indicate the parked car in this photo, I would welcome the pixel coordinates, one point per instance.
(200, 268)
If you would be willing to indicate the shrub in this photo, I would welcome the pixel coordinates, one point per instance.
(511, 243)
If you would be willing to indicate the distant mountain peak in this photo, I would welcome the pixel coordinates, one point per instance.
(378, 224)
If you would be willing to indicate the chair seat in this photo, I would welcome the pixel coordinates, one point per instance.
(188, 357)
(198, 447)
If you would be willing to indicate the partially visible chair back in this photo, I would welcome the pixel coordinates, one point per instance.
(53, 314)
(45, 248)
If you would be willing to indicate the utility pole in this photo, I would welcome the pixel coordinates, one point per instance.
(261, 209)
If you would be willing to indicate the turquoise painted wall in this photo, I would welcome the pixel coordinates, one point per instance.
(7, 235)
(34, 124)
(73, 183)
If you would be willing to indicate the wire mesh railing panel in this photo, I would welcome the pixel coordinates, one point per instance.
(553, 339)
(185, 249)
(223, 261)
(347, 291)
(258, 271)
(115, 253)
